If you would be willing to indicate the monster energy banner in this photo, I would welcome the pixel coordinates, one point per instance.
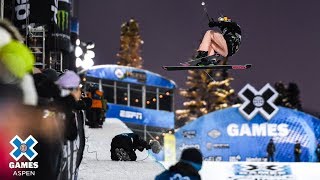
(60, 32)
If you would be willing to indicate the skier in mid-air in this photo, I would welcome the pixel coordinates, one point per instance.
(217, 45)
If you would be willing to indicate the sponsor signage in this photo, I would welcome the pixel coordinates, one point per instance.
(189, 134)
(141, 116)
(255, 102)
(130, 75)
(138, 75)
(61, 25)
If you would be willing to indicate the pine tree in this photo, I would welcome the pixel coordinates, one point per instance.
(208, 90)
(289, 96)
(130, 45)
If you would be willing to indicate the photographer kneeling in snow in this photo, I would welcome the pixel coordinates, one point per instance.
(123, 146)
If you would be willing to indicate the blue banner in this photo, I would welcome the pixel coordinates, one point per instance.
(141, 116)
(226, 135)
(130, 75)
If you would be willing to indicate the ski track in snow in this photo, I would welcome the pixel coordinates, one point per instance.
(97, 164)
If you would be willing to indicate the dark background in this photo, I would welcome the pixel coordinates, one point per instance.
(280, 38)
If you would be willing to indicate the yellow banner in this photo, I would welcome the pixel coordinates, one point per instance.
(169, 147)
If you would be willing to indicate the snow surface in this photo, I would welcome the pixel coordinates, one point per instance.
(97, 164)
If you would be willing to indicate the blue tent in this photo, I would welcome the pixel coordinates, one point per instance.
(226, 135)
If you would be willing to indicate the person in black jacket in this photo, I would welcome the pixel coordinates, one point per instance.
(70, 104)
(297, 151)
(187, 168)
(318, 152)
(220, 44)
(271, 149)
(123, 146)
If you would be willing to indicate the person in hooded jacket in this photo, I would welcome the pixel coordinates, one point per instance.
(70, 104)
(187, 168)
(123, 146)
(271, 149)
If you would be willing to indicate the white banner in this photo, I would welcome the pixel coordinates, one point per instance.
(257, 171)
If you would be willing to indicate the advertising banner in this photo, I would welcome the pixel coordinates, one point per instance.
(141, 116)
(55, 14)
(60, 29)
(34, 11)
(130, 75)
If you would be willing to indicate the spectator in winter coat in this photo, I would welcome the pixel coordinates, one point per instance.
(271, 149)
(70, 94)
(123, 146)
(16, 62)
(18, 98)
(98, 106)
(47, 90)
(297, 151)
(70, 104)
(187, 168)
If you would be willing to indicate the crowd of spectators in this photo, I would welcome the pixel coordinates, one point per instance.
(44, 103)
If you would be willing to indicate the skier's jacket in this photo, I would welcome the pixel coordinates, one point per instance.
(97, 99)
(180, 171)
(130, 142)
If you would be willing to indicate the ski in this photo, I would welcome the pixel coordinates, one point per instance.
(181, 68)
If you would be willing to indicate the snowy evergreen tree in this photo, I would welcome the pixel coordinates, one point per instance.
(130, 45)
(289, 96)
(207, 91)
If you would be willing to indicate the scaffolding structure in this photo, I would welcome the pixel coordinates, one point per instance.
(36, 41)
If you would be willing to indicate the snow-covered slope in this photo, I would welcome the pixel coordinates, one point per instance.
(97, 164)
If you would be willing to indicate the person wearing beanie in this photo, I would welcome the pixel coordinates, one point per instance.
(187, 168)
(71, 104)
(123, 146)
(70, 90)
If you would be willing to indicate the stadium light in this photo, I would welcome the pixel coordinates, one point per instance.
(84, 54)
(78, 51)
(90, 45)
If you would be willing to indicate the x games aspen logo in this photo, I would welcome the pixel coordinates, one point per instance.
(63, 19)
(23, 148)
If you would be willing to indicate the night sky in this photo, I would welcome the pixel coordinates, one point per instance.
(281, 38)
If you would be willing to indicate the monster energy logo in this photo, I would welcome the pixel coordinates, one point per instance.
(63, 19)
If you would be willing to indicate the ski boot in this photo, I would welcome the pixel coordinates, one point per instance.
(207, 60)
